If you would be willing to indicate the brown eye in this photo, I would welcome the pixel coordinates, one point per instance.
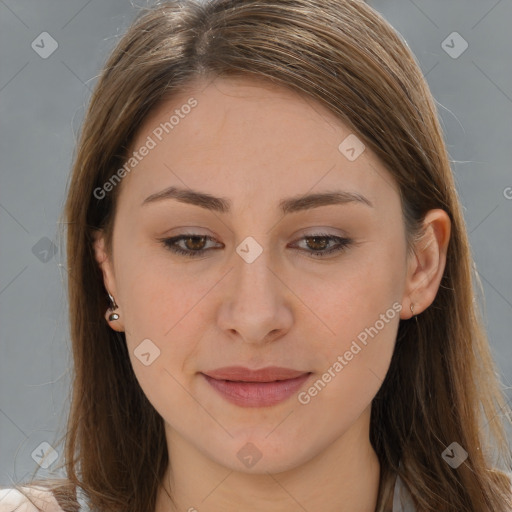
(317, 243)
(192, 245)
(197, 243)
(322, 244)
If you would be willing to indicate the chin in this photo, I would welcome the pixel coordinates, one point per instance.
(262, 454)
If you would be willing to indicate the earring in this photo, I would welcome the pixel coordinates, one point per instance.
(413, 315)
(113, 306)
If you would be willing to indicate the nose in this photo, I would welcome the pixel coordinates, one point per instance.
(256, 303)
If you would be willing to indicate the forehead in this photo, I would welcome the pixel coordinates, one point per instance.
(249, 138)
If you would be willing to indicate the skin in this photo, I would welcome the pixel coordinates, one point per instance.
(255, 144)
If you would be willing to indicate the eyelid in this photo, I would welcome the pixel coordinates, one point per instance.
(342, 243)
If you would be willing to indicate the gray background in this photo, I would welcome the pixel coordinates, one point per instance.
(42, 103)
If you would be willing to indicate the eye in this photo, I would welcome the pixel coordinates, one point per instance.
(194, 244)
(321, 244)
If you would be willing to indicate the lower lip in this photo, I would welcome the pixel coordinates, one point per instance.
(257, 394)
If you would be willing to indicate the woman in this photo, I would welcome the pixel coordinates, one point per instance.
(263, 211)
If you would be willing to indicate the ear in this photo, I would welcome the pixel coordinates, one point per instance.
(427, 263)
(105, 263)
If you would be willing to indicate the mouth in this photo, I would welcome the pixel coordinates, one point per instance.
(256, 388)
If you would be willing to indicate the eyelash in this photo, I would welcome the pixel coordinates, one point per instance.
(170, 244)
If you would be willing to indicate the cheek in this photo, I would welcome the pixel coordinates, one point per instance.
(157, 293)
(361, 306)
(353, 369)
(158, 311)
(160, 333)
(357, 292)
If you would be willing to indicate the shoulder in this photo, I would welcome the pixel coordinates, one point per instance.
(41, 500)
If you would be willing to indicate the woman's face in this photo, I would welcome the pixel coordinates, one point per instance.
(257, 291)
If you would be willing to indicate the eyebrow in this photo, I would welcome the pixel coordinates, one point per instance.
(289, 205)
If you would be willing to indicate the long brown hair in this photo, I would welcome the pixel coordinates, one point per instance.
(441, 386)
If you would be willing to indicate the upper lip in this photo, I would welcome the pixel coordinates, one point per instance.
(240, 373)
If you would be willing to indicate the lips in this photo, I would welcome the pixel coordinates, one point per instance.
(256, 388)
(242, 374)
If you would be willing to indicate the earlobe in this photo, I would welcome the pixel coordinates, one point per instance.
(112, 317)
(428, 262)
(112, 314)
